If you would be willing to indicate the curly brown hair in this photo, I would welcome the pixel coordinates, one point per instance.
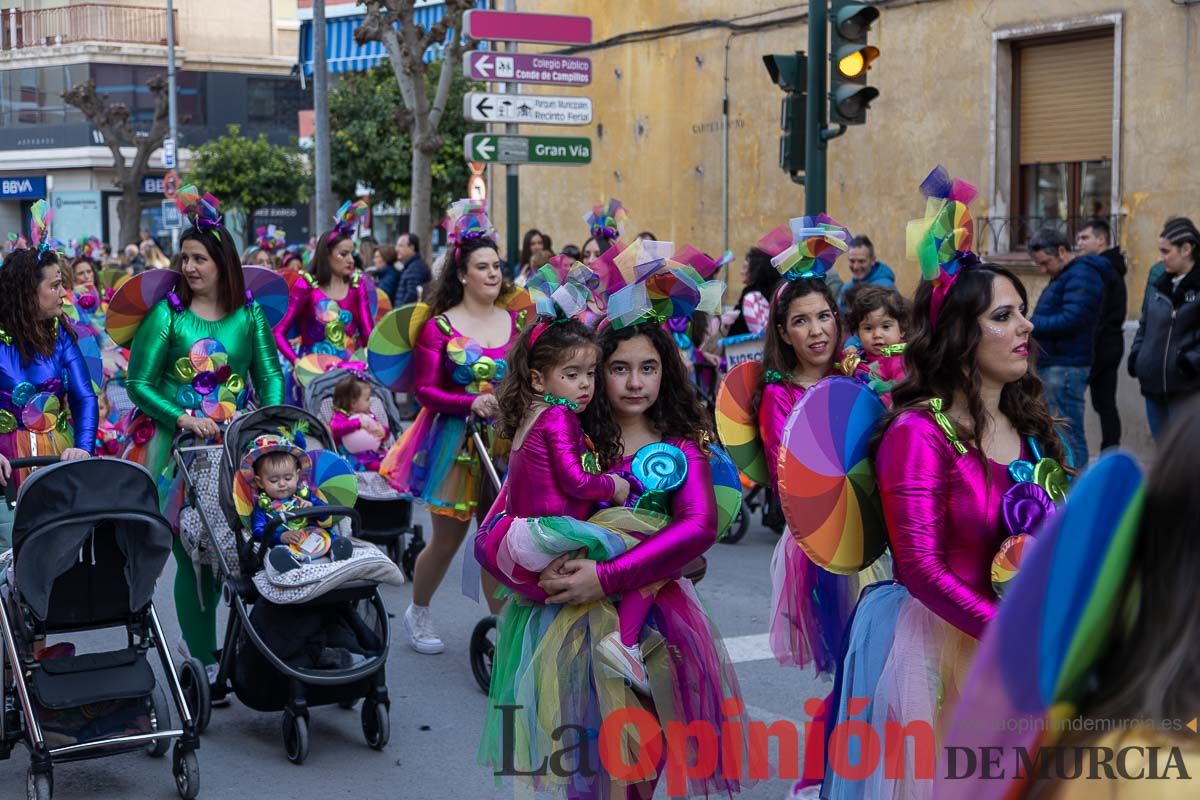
(20, 318)
(448, 288)
(676, 413)
(940, 363)
(556, 344)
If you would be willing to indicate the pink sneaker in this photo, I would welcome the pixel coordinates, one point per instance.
(627, 661)
(60, 650)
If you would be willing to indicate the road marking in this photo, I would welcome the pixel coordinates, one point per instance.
(756, 647)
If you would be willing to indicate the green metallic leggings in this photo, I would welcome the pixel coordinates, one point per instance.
(199, 625)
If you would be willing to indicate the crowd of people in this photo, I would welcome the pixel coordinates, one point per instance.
(583, 372)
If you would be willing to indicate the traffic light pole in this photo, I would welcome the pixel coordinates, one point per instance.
(816, 103)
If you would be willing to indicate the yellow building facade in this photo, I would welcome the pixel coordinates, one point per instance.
(1055, 109)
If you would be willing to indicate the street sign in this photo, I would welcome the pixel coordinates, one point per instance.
(508, 26)
(171, 218)
(500, 149)
(168, 148)
(531, 109)
(483, 65)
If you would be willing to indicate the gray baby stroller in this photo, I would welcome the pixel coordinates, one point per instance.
(84, 560)
(274, 656)
(386, 514)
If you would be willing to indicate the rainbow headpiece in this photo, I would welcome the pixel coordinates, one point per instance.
(270, 238)
(941, 240)
(466, 220)
(91, 248)
(203, 211)
(806, 247)
(16, 241)
(560, 290)
(607, 221)
(292, 444)
(346, 218)
(649, 281)
(40, 215)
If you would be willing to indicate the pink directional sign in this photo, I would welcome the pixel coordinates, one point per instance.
(528, 68)
(508, 26)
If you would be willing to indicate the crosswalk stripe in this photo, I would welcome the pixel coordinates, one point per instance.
(756, 647)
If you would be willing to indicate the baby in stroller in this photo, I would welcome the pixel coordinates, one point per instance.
(275, 466)
(359, 434)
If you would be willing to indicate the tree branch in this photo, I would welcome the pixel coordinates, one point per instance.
(454, 14)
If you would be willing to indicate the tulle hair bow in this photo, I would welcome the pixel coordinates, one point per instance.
(16, 241)
(560, 291)
(346, 218)
(466, 220)
(663, 284)
(941, 240)
(806, 247)
(607, 221)
(270, 238)
(40, 215)
(203, 211)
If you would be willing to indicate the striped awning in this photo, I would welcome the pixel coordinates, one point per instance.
(345, 55)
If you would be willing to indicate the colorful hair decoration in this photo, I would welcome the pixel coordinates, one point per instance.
(40, 215)
(806, 247)
(607, 221)
(270, 238)
(346, 219)
(91, 248)
(560, 291)
(16, 241)
(202, 211)
(941, 240)
(658, 287)
(466, 220)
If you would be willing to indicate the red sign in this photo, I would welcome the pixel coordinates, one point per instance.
(170, 185)
(507, 26)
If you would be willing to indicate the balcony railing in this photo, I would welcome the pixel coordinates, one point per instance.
(87, 22)
(1000, 235)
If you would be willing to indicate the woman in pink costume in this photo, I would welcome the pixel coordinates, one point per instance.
(545, 659)
(966, 424)
(458, 358)
(330, 308)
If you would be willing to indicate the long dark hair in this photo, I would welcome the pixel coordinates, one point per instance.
(555, 345)
(19, 315)
(762, 277)
(940, 363)
(602, 242)
(527, 248)
(778, 355)
(677, 413)
(321, 267)
(231, 282)
(448, 289)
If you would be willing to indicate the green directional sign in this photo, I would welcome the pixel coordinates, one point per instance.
(501, 149)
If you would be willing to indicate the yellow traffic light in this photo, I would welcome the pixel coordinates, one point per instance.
(857, 61)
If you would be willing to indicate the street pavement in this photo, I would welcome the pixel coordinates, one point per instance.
(436, 713)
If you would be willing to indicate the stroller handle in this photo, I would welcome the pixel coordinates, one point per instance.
(33, 462)
(305, 513)
(473, 427)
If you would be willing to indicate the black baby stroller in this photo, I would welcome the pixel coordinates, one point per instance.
(274, 646)
(386, 514)
(87, 560)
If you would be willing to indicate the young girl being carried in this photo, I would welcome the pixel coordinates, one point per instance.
(356, 429)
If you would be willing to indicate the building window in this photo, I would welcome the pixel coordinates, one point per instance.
(273, 101)
(1063, 134)
(33, 96)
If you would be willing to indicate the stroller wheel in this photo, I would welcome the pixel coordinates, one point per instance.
(377, 728)
(295, 737)
(482, 648)
(160, 720)
(194, 681)
(738, 527)
(38, 785)
(186, 770)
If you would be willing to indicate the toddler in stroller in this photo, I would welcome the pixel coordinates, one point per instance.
(386, 514)
(84, 560)
(313, 635)
(358, 432)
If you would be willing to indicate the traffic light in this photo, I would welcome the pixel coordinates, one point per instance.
(790, 73)
(851, 57)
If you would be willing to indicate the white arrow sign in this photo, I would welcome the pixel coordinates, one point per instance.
(484, 147)
(531, 109)
(484, 64)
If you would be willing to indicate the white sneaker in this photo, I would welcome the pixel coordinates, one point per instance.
(421, 637)
(626, 661)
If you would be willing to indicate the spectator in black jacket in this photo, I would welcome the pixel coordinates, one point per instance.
(1166, 351)
(1095, 239)
(413, 272)
(1064, 328)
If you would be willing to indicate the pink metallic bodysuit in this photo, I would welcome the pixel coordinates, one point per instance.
(335, 327)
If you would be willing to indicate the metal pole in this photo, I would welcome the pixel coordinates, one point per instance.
(816, 109)
(321, 116)
(512, 188)
(172, 112)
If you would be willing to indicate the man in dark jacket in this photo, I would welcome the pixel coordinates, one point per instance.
(1064, 328)
(1094, 239)
(403, 283)
(1165, 357)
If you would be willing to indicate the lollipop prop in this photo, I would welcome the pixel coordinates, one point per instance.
(737, 422)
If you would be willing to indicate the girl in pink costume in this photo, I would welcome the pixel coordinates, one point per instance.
(546, 657)
(356, 430)
(331, 307)
(953, 463)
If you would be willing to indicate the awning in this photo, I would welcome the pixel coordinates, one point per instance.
(345, 55)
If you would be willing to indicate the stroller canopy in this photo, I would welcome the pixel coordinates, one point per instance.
(59, 506)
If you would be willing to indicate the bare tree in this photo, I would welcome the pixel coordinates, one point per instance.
(117, 130)
(406, 45)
